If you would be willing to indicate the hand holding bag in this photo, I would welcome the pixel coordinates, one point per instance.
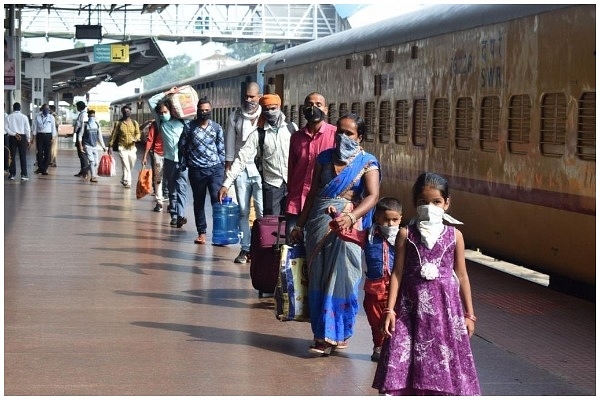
(144, 183)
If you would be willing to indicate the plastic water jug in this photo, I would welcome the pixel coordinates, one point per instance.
(226, 216)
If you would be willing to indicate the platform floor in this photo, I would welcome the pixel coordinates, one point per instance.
(103, 297)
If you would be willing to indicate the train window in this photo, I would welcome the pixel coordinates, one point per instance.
(343, 109)
(519, 124)
(464, 123)
(401, 122)
(332, 114)
(553, 126)
(389, 56)
(586, 127)
(286, 112)
(420, 122)
(348, 63)
(301, 119)
(377, 86)
(440, 119)
(355, 108)
(414, 52)
(385, 115)
(370, 121)
(490, 122)
(367, 60)
(294, 114)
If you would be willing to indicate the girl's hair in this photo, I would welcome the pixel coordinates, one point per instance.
(388, 204)
(433, 180)
(361, 125)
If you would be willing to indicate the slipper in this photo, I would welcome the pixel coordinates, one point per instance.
(201, 239)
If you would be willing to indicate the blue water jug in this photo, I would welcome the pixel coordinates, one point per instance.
(226, 216)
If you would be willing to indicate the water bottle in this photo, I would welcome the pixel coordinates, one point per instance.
(226, 216)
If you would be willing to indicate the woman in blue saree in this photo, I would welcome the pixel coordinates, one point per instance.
(344, 191)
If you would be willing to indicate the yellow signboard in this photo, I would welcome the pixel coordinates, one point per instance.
(119, 53)
(99, 108)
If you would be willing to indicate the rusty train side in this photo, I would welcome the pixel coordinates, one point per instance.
(500, 99)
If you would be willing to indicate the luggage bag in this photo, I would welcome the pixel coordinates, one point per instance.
(291, 292)
(267, 237)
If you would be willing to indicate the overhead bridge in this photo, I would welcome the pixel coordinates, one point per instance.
(64, 74)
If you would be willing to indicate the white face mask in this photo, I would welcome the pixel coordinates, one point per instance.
(390, 232)
(430, 223)
(431, 213)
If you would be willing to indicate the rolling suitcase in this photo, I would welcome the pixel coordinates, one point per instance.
(265, 251)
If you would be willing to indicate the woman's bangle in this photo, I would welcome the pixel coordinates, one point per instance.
(471, 317)
(351, 216)
(389, 311)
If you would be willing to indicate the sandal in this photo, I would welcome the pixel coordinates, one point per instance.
(201, 239)
(320, 348)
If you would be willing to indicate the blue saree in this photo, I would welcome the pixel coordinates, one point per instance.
(334, 264)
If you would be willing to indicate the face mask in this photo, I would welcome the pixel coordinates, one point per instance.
(91, 120)
(390, 232)
(203, 116)
(249, 106)
(271, 116)
(126, 114)
(431, 213)
(45, 112)
(165, 117)
(314, 114)
(345, 147)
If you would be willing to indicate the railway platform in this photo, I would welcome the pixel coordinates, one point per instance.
(103, 297)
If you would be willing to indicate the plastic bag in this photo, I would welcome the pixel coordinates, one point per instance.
(144, 183)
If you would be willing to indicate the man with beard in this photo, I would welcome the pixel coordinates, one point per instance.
(305, 144)
(248, 185)
(271, 141)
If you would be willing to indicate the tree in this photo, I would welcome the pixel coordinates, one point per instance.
(179, 68)
(242, 51)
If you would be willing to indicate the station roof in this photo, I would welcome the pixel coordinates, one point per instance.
(75, 71)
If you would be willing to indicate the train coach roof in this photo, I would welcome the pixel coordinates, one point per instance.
(427, 22)
(246, 67)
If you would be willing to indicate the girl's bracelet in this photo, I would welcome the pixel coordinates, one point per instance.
(389, 311)
(471, 317)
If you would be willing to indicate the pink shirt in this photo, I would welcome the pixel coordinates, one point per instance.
(304, 149)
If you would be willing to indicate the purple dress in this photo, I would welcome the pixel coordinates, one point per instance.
(430, 350)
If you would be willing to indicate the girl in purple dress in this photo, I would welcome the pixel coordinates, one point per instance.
(429, 317)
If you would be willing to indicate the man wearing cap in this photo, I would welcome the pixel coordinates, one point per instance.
(271, 142)
(240, 124)
(78, 132)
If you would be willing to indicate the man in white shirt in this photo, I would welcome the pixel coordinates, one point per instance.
(78, 132)
(44, 130)
(16, 126)
(271, 141)
(240, 124)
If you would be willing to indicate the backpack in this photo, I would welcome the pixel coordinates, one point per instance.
(261, 146)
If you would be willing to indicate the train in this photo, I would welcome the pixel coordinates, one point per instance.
(498, 98)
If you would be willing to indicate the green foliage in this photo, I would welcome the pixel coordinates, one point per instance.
(242, 51)
(179, 68)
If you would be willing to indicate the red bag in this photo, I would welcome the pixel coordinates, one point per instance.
(106, 166)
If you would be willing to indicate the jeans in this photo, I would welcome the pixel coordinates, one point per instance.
(274, 199)
(93, 159)
(245, 188)
(201, 180)
(177, 184)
